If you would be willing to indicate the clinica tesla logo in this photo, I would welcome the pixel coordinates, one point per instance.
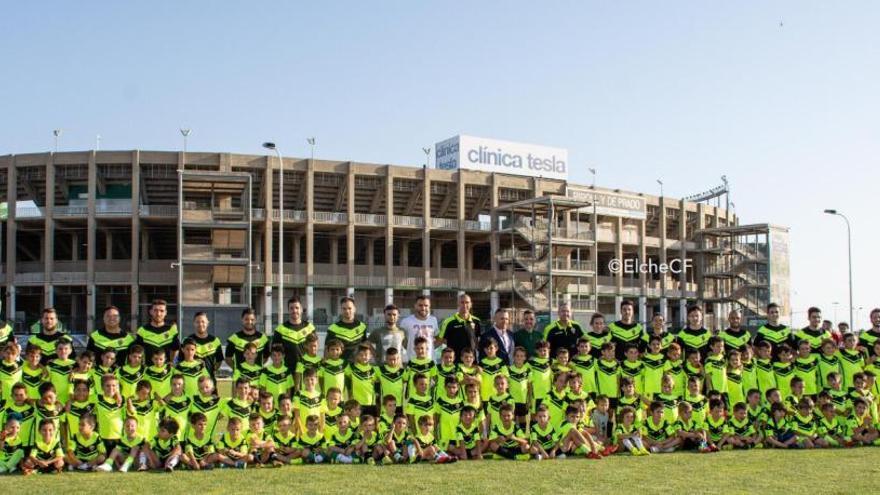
(485, 156)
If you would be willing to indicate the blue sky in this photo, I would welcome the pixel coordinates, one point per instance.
(683, 91)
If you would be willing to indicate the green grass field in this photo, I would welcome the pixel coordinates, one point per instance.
(764, 471)
(843, 471)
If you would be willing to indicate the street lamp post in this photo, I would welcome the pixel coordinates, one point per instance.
(849, 256)
(57, 134)
(427, 156)
(312, 142)
(273, 147)
(661, 187)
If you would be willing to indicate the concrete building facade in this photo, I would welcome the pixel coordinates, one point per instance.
(92, 228)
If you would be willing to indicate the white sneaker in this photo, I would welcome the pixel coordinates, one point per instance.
(538, 457)
(655, 449)
(560, 456)
(104, 468)
(83, 467)
(319, 458)
(343, 459)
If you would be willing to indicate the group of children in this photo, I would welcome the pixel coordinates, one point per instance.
(92, 413)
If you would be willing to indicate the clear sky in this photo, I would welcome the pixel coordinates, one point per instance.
(682, 91)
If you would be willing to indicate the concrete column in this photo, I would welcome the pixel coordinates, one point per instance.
(469, 258)
(618, 253)
(461, 242)
(49, 233)
(437, 251)
(594, 255)
(350, 230)
(134, 288)
(108, 243)
(11, 238)
(494, 302)
(371, 255)
(426, 235)
(334, 253)
(664, 308)
(90, 243)
(74, 246)
(389, 234)
(496, 237)
(682, 238)
(404, 256)
(310, 224)
(296, 258)
(663, 277)
(644, 279)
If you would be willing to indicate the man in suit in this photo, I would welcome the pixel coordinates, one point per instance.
(500, 332)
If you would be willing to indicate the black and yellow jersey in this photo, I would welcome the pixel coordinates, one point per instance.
(199, 447)
(547, 437)
(86, 449)
(468, 436)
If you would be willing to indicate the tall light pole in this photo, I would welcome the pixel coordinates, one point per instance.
(98, 142)
(849, 249)
(661, 187)
(312, 142)
(57, 134)
(185, 133)
(427, 156)
(273, 147)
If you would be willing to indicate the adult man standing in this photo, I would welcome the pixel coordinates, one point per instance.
(48, 336)
(528, 335)
(389, 335)
(112, 337)
(349, 330)
(773, 332)
(813, 332)
(421, 323)
(869, 337)
(625, 331)
(563, 332)
(292, 333)
(694, 337)
(209, 348)
(735, 337)
(248, 333)
(159, 335)
(461, 330)
(500, 333)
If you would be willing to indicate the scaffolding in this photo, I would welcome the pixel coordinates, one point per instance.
(546, 255)
(738, 266)
(214, 242)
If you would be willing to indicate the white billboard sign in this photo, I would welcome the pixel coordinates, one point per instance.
(610, 203)
(505, 157)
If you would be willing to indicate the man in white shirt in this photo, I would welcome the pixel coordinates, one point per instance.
(421, 323)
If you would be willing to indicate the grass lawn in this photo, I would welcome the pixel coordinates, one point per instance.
(760, 471)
